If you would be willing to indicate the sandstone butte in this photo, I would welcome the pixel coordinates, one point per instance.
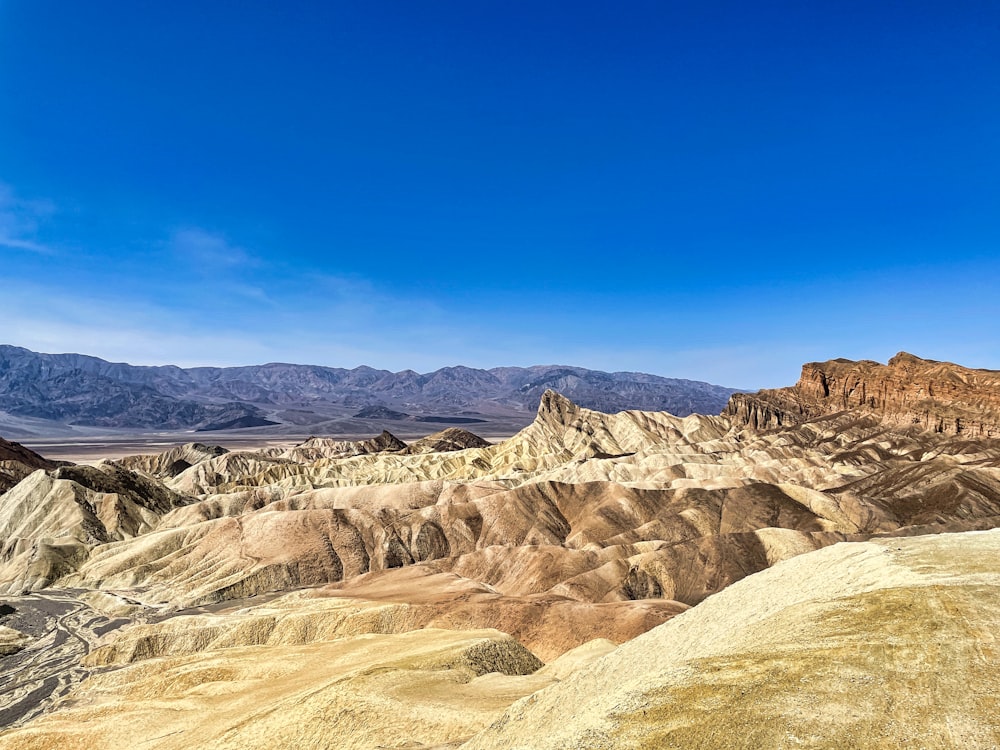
(816, 567)
(906, 392)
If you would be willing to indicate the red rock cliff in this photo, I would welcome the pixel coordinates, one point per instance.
(906, 392)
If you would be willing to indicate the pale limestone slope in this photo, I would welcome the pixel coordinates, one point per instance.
(415, 689)
(50, 521)
(172, 462)
(880, 644)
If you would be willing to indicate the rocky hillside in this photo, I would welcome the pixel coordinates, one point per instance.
(812, 653)
(82, 390)
(908, 392)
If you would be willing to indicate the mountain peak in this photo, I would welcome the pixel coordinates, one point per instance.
(903, 358)
(555, 408)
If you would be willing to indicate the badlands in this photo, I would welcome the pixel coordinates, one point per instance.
(819, 566)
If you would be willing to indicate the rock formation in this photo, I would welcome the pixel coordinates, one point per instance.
(316, 448)
(451, 439)
(51, 521)
(11, 641)
(908, 392)
(172, 462)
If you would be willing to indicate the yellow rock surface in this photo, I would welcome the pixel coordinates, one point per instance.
(416, 689)
(887, 644)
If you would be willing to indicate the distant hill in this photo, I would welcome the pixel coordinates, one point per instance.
(75, 389)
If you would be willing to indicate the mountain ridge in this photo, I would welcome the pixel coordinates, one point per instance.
(78, 389)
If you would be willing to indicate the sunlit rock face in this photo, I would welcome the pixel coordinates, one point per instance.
(875, 644)
(908, 392)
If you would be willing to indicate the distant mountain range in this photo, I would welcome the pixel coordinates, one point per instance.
(75, 389)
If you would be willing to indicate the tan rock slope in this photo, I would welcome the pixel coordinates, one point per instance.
(172, 462)
(419, 689)
(887, 644)
(11, 641)
(51, 521)
(548, 628)
(908, 392)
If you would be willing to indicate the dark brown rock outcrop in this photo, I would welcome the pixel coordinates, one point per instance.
(10, 451)
(908, 392)
(16, 462)
(316, 448)
(451, 439)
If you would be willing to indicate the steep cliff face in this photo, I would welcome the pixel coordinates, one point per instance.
(907, 392)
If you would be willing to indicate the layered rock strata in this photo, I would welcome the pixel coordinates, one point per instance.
(907, 393)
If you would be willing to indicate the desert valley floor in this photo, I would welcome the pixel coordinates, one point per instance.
(818, 566)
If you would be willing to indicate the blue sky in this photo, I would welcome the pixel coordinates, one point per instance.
(719, 191)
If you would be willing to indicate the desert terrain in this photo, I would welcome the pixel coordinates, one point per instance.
(816, 566)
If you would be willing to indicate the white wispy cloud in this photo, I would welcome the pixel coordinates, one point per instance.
(209, 250)
(19, 222)
(20, 244)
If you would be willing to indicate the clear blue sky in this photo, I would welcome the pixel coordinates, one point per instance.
(719, 191)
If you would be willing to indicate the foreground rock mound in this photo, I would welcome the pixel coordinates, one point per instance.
(883, 644)
(418, 689)
(908, 392)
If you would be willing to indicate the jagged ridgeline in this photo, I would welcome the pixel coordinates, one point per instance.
(758, 566)
(72, 389)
